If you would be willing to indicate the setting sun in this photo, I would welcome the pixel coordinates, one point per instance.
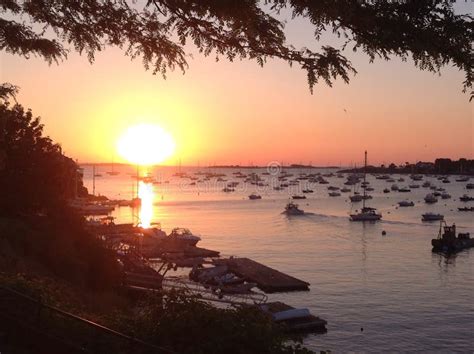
(145, 144)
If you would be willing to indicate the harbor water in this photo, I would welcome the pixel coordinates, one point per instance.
(377, 292)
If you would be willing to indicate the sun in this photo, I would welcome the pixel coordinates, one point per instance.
(145, 144)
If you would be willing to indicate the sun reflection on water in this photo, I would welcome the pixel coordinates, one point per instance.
(145, 193)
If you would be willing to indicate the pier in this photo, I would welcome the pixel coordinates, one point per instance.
(267, 279)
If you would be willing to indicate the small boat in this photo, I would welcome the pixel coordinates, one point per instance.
(466, 198)
(334, 194)
(430, 199)
(356, 198)
(394, 187)
(432, 217)
(228, 189)
(293, 209)
(332, 188)
(462, 179)
(404, 190)
(184, 235)
(470, 186)
(307, 191)
(255, 196)
(445, 195)
(366, 214)
(427, 184)
(448, 242)
(298, 197)
(345, 190)
(406, 203)
(386, 190)
(466, 209)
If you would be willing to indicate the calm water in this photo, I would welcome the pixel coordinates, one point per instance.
(403, 296)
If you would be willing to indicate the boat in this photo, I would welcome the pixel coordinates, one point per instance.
(345, 190)
(466, 209)
(86, 207)
(386, 190)
(466, 198)
(404, 190)
(432, 217)
(430, 199)
(307, 191)
(184, 235)
(394, 187)
(228, 189)
(448, 242)
(427, 184)
(334, 194)
(445, 195)
(462, 179)
(356, 198)
(293, 209)
(255, 196)
(298, 197)
(366, 213)
(470, 186)
(406, 203)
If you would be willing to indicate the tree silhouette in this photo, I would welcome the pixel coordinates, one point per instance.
(157, 31)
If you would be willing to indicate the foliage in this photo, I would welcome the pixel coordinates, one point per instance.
(185, 324)
(34, 174)
(158, 30)
(61, 245)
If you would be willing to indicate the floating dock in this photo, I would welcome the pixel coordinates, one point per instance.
(305, 323)
(267, 279)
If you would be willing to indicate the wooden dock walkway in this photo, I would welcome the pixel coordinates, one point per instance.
(267, 279)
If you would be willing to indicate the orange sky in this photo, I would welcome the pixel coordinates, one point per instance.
(239, 113)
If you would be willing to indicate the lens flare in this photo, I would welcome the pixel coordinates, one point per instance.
(145, 144)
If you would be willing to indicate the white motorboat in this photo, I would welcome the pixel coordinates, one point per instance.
(184, 235)
(293, 209)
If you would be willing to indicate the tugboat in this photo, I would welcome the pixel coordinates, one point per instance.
(292, 209)
(447, 242)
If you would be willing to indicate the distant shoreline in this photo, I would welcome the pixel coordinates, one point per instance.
(208, 167)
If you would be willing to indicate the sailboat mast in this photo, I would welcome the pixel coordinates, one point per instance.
(93, 179)
(365, 171)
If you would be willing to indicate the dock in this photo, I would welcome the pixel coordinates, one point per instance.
(306, 323)
(267, 279)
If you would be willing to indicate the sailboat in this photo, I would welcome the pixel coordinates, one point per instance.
(113, 172)
(367, 213)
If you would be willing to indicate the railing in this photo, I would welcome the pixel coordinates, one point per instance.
(65, 329)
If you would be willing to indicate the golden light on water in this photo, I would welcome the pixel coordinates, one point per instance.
(145, 144)
(145, 193)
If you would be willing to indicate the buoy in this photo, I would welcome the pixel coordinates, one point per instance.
(384, 232)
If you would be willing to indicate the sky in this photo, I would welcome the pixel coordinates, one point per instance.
(240, 113)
